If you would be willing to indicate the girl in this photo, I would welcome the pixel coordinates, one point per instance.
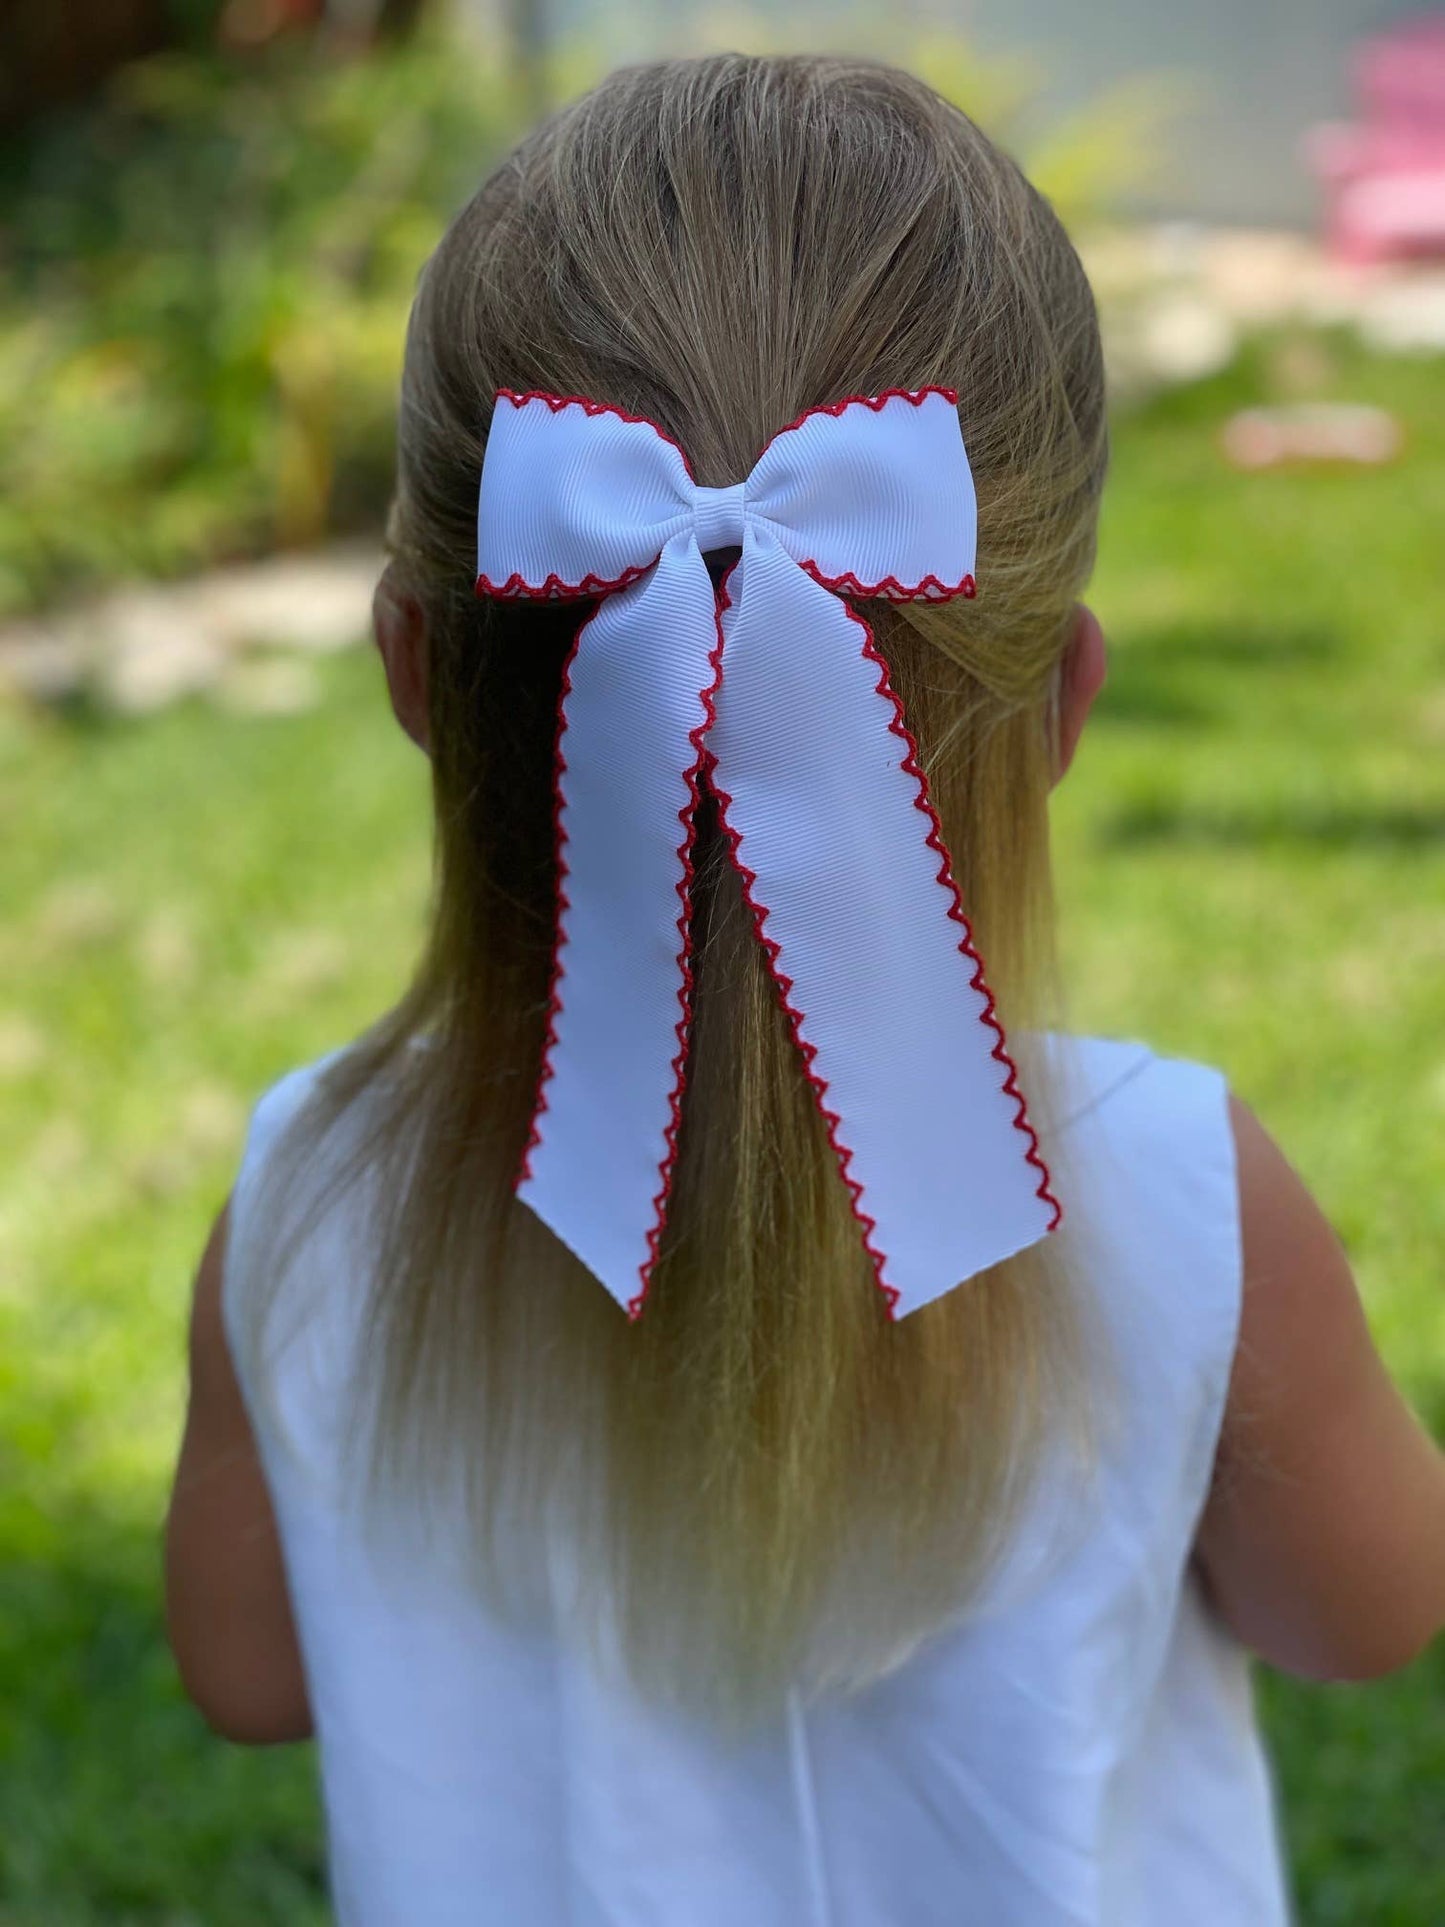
(898, 1559)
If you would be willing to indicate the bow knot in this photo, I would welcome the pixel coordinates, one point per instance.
(720, 513)
(774, 686)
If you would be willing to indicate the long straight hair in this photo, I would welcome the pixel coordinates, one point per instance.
(763, 1484)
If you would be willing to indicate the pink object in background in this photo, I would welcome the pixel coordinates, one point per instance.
(1384, 175)
(1311, 432)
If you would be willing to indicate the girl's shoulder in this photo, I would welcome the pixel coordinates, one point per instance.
(278, 1103)
(1148, 1142)
(1146, 1156)
(1103, 1089)
(295, 1250)
(266, 1155)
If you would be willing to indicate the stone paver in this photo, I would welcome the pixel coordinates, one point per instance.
(139, 648)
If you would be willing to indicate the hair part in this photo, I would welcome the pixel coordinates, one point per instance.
(763, 1483)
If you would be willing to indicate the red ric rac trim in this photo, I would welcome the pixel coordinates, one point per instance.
(807, 1050)
(558, 402)
(687, 816)
(928, 589)
(563, 905)
(989, 1014)
(875, 402)
(520, 398)
(517, 588)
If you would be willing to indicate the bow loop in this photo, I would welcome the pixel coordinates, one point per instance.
(775, 686)
(596, 507)
(870, 495)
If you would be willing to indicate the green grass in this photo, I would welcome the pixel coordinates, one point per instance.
(1252, 867)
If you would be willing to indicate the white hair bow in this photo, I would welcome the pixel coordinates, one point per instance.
(774, 692)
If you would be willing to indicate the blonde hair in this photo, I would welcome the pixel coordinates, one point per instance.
(763, 1483)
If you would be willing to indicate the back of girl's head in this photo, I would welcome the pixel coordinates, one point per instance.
(766, 1479)
(720, 244)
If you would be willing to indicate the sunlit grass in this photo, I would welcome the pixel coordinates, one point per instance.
(1252, 869)
(1251, 858)
(194, 903)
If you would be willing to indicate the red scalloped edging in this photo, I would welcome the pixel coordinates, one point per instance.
(558, 402)
(929, 589)
(516, 588)
(563, 905)
(875, 402)
(687, 816)
(807, 1050)
(989, 1014)
(553, 586)
(519, 399)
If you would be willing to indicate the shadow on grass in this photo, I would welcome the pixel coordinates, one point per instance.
(1360, 1771)
(119, 1809)
(1147, 699)
(1244, 644)
(1159, 678)
(1386, 828)
(117, 1805)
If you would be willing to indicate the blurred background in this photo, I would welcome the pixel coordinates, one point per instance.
(214, 843)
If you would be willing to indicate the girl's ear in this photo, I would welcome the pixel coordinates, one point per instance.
(1081, 677)
(399, 622)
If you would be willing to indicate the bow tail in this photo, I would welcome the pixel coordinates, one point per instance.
(630, 744)
(853, 899)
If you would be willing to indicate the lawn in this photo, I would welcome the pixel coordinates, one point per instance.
(1252, 869)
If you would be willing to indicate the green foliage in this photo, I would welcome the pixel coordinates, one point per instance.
(1252, 871)
(208, 274)
(1083, 160)
(1251, 856)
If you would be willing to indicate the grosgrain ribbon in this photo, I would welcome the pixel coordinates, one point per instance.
(774, 689)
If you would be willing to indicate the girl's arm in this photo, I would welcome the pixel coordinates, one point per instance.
(227, 1608)
(1323, 1542)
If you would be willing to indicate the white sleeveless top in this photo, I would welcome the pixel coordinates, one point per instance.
(1079, 1752)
